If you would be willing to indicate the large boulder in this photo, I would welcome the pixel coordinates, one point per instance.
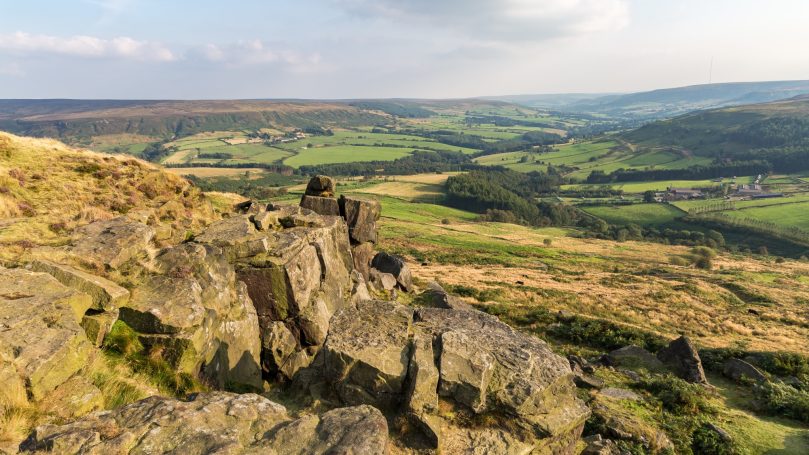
(739, 370)
(396, 266)
(326, 206)
(361, 216)
(389, 355)
(682, 356)
(435, 296)
(634, 357)
(111, 243)
(297, 271)
(320, 186)
(40, 335)
(367, 353)
(201, 317)
(215, 423)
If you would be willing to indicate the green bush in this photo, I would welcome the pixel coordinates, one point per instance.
(784, 400)
(677, 395)
(706, 441)
(604, 334)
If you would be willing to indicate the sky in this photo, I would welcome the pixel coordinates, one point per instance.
(339, 49)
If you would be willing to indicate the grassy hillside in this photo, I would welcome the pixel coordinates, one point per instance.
(729, 131)
(48, 189)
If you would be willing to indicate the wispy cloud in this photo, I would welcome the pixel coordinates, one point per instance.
(255, 52)
(505, 20)
(86, 47)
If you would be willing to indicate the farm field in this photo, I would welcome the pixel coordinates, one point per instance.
(662, 185)
(640, 214)
(345, 154)
(788, 215)
(206, 172)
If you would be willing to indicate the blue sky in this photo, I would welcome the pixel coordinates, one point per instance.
(390, 48)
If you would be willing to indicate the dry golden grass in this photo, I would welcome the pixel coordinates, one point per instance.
(405, 190)
(47, 189)
(631, 282)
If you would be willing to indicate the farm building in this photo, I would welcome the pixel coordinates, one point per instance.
(683, 194)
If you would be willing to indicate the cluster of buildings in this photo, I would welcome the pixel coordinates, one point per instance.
(745, 191)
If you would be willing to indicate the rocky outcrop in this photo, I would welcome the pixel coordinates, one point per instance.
(683, 358)
(200, 316)
(296, 269)
(391, 356)
(215, 423)
(739, 370)
(40, 336)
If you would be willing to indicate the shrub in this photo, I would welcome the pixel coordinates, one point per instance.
(707, 441)
(547, 242)
(677, 395)
(679, 261)
(784, 400)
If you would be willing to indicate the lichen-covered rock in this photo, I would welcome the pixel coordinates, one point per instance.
(215, 423)
(385, 354)
(98, 325)
(361, 216)
(195, 309)
(367, 353)
(326, 206)
(682, 356)
(396, 266)
(111, 243)
(75, 397)
(40, 334)
(106, 295)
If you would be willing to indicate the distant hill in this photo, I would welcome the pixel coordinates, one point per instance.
(70, 119)
(732, 131)
(669, 102)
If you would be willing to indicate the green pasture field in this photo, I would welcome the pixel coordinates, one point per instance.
(789, 214)
(640, 214)
(662, 185)
(345, 154)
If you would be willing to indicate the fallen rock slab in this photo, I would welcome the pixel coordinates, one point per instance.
(396, 266)
(106, 295)
(113, 242)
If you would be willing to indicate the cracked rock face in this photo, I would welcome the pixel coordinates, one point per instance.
(200, 314)
(40, 336)
(297, 272)
(218, 422)
(391, 356)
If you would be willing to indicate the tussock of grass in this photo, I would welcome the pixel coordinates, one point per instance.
(16, 413)
(122, 345)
